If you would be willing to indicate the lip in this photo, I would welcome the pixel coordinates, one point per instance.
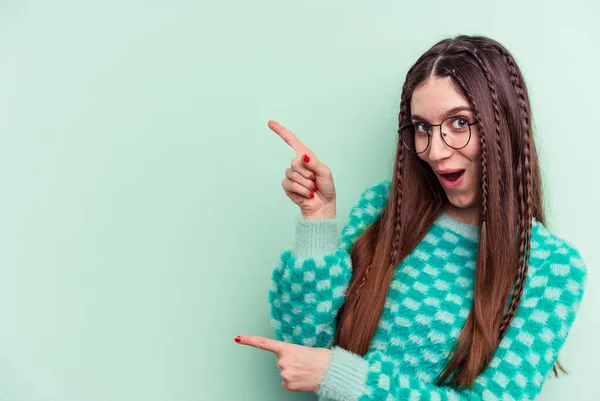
(447, 183)
(448, 171)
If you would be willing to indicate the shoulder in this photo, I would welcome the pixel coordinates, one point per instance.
(557, 263)
(365, 211)
(374, 195)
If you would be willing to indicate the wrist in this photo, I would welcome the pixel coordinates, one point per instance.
(327, 213)
(324, 365)
(315, 238)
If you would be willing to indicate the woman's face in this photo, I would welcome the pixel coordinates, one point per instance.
(458, 170)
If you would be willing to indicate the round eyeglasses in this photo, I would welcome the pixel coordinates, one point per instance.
(455, 132)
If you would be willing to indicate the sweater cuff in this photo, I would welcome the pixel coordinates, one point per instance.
(346, 376)
(315, 238)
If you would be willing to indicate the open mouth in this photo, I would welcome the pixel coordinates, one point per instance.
(452, 177)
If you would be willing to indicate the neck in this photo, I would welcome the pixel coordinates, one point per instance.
(467, 215)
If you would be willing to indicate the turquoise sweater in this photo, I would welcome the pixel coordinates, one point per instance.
(428, 302)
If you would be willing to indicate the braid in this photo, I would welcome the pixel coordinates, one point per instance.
(525, 237)
(523, 168)
(524, 185)
(398, 171)
(399, 176)
(519, 285)
(484, 186)
(495, 104)
(404, 102)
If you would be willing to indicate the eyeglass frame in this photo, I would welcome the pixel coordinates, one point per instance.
(404, 126)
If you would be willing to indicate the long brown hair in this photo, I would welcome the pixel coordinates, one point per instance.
(511, 195)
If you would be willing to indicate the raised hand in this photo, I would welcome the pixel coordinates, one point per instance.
(308, 182)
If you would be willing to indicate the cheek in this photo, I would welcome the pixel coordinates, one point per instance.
(474, 153)
(473, 149)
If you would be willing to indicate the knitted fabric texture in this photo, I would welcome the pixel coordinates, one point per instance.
(429, 299)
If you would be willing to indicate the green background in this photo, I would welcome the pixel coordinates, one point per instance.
(141, 209)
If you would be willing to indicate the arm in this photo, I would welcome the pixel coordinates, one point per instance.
(518, 369)
(309, 284)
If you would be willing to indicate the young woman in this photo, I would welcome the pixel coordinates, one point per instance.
(445, 283)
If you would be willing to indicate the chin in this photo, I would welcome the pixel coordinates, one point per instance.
(462, 202)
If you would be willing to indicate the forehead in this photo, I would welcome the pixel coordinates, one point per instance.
(434, 97)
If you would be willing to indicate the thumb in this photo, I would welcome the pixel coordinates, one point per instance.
(315, 165)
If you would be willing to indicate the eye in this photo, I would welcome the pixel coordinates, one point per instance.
(422, 128)
(460, 123)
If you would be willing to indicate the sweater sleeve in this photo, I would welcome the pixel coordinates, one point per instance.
(309, 283)
(519, 367)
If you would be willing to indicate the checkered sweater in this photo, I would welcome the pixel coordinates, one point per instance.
(428, 302)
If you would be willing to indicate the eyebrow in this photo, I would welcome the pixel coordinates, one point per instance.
(449, 113)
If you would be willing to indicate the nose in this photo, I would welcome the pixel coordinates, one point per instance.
(438, 149)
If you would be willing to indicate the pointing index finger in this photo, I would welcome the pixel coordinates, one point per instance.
(262, 343)
(289, 137)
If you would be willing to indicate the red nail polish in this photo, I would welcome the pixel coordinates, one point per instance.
(238, 339)
(315, 188)
(306, 158)
(312, 195)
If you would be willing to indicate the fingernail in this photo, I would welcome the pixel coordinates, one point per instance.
(315, 188)
(238, 339)
(312, 195)
(306, 159)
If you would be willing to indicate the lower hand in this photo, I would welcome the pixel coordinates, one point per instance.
(302, 368)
